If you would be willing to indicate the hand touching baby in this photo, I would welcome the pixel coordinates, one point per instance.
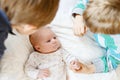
(78, 67)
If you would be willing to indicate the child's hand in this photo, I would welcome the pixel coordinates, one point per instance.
(79, 27)
(43, 73)
(78, 67)
(75, 65)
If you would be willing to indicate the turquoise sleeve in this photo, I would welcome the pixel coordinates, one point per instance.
(80, 7)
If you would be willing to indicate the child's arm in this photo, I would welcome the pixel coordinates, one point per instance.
(31, 67)
(101, 64)
(98, 65)
(75, 65)
(71, 61)
(79, 27)
(78, 67)
(32, 70)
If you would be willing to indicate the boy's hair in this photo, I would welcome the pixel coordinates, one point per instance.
(34, 12)
(103, 16)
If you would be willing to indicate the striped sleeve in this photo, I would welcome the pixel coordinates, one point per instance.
(80, 7)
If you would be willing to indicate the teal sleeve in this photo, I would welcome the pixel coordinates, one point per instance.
(106, 68)
(80, 7)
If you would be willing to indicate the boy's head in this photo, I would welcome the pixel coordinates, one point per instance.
(30, 13)
(103, 16)
(44, 40)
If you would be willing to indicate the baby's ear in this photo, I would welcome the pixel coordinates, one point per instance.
(37, 48)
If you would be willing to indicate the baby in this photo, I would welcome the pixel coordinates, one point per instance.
(47, 61)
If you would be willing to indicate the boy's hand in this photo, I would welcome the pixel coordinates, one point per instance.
(43, 73)
(79, 27)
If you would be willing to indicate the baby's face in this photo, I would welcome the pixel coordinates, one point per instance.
(48, 42)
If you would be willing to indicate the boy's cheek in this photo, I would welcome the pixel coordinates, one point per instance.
(25, 29)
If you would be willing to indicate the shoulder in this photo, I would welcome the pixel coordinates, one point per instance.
(34, 54)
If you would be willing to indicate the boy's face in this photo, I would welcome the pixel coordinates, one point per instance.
(25, 29)
(48, 42)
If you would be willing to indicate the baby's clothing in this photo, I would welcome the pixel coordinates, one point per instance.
(111, 59)
(53, 61)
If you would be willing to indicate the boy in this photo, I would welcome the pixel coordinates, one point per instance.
(105, 22)
(102, 17)
(26, 16)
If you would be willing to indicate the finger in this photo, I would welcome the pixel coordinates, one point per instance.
(46, 74)
(72, 62)
(76, 29)
(82, 30)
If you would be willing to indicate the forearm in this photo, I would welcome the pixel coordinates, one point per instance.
(100, 65)
(31, 67)
(67, 57)
(78, 18)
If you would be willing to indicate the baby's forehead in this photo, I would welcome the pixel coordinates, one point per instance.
(47, 35)
(46, 31)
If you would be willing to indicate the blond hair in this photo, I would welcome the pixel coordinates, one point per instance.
(103, 16)
(34, 12)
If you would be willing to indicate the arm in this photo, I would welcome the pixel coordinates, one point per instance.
(67, 57)
(101, 64)
(31, 67)
(79, 27)
(75, 65)
(71, 61)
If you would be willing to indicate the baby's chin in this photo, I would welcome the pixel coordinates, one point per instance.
(55, 49)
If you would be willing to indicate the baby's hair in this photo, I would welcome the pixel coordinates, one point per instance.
(103, 16)
(34, 12)
(35, 37)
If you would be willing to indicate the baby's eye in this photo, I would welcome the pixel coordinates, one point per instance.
(48, 40)
(54, 37)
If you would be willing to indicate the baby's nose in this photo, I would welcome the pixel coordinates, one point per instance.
(54, 41)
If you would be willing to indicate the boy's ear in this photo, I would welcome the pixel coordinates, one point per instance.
(29, 27)
(25, 28)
